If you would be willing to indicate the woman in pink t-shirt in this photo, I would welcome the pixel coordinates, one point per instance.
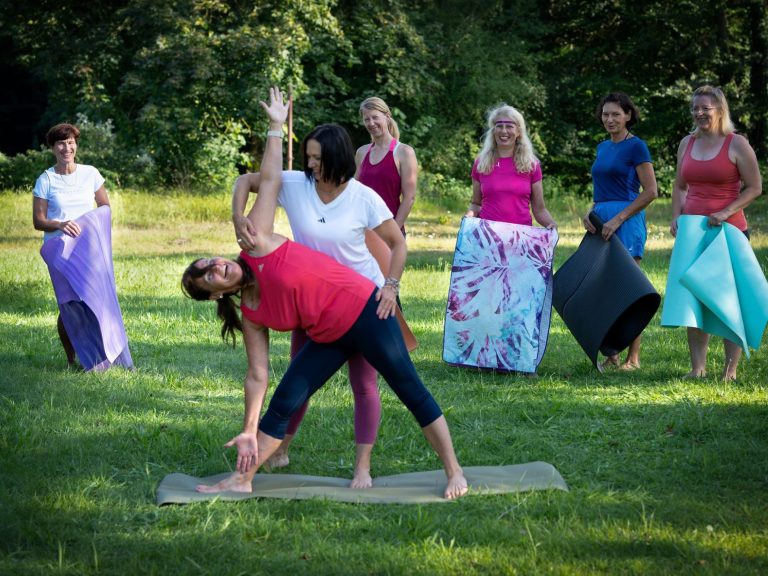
(506, 175)
(717, 176)
(284, 285)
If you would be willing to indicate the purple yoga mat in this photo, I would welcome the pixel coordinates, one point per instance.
(84, 282)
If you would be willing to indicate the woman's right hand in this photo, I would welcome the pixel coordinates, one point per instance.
(245, 232)
(70, 228)
(673, 228)
(588, 224)
(247, 450)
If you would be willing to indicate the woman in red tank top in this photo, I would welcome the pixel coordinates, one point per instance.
(387, 165)
(717, 176)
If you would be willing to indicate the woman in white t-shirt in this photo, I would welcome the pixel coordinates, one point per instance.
(330, 211)
(63, 193)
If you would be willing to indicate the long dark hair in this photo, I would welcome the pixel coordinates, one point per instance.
(337, 154)
(226, 306)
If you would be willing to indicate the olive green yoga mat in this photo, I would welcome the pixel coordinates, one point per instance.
(410, 488)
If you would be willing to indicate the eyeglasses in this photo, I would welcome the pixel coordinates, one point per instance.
(702, 109)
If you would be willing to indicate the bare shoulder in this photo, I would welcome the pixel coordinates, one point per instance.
(405, 152)
(740, 143)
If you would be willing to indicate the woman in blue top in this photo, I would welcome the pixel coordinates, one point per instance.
(622, 166)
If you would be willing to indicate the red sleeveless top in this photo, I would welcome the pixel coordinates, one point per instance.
(383, 177)
(712, 184)
(303, 288)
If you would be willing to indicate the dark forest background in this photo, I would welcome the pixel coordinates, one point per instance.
(167, 92)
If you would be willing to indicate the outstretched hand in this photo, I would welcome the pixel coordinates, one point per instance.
(277, 109)
(247, 450)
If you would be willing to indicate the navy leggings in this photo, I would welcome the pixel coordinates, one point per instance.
(380, 342)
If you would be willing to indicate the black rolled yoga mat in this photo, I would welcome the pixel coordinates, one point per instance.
(603, 296)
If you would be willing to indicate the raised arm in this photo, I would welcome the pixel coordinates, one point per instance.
(262, 214)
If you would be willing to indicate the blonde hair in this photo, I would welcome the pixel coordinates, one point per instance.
(376, 104)
(524, 157)
(723, 123)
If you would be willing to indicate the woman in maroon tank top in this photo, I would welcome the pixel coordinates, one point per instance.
(717, 176)
(387, 165)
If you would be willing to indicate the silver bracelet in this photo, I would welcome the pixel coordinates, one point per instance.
(275, 134)
(393, 283)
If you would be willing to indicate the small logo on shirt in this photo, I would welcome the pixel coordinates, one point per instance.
(261, 267)
(322, 220)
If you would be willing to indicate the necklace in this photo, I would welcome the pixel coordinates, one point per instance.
(69, 180)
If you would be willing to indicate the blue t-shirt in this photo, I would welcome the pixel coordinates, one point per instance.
(614, 174)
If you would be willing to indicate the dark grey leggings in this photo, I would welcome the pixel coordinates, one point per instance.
(380, 342)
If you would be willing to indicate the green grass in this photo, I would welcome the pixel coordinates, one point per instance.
(666, 476)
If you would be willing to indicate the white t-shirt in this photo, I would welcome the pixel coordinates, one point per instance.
(337, 228)
(69, 196)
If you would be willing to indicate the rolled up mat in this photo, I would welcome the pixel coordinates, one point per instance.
(380, 251)
(500, 296)
(602, 295)
(715, 283)
(408, 488)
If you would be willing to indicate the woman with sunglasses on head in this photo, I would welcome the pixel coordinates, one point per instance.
(717, 176)
(284, 285)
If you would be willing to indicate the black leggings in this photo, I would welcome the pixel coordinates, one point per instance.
(380, 342)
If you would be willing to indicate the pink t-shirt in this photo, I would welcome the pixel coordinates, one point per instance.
(506, 193)
(303, 288)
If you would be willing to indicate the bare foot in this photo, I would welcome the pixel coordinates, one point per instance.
(234, 483)
(277, 460)
(729, 376)
(629, 366)
(361, 479)
(693, 374)
(457, 487)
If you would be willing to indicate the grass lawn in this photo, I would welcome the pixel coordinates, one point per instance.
(666, 475)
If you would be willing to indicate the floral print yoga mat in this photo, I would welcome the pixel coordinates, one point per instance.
(500, 296)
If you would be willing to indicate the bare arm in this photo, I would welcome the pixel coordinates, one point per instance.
(409, 176)
(650, 191)
(262, 214)
(244, 186)
(538, 207)
(359, 156)
(387, 295)
(679, 188)
(255, 386)
(752, 182)
(473, 211)
(102, 198)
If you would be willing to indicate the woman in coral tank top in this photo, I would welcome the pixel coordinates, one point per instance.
(717, 176)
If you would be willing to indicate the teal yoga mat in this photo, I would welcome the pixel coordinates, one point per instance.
(715, 283)
(409, 488)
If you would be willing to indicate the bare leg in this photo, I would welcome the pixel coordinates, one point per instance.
(69, 350)
(732, 357)
(362, 477)
(633, 356)
(439, 437)
(698, 340)
(280, 458)
(238, 482)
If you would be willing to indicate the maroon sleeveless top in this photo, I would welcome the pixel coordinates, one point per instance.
(383, 177)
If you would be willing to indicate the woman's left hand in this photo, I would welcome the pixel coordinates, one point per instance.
(610, 227)
(277, 110)
(387, 299)
(717, 219)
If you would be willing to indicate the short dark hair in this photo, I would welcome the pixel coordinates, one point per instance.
(61, 132)
(624, 102)
(337, 154)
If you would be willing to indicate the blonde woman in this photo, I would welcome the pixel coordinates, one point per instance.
(717, 176)
(506, 175)
(386, 164)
